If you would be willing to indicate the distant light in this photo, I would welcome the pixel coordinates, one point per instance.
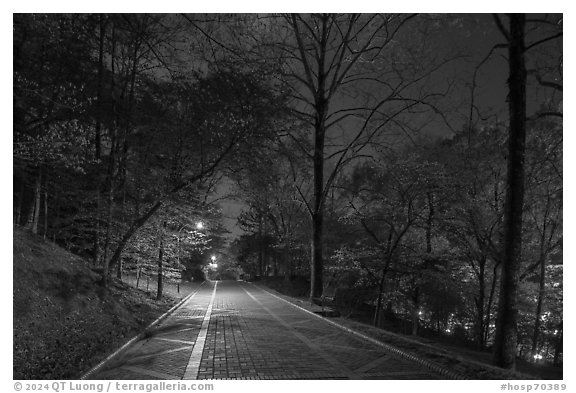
(448, 330)
(419, 312)
(537, 356)
(556, 332)
(199, 225)
(213, 257)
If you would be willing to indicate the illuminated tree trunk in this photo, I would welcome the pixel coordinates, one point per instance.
(480, 306)
(34, 215)
(20, 204)
(538, 313)
(558, 346)
(415, 310)
(160, 263)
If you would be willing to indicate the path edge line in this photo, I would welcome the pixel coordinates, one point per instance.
(426, 363)
(193, 365)
(140, 335)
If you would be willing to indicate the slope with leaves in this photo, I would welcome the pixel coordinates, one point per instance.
(63, 321)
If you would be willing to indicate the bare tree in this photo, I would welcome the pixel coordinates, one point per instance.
(334, 70)
(506, 325)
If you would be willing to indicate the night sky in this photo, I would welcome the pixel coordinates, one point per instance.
(469, 38)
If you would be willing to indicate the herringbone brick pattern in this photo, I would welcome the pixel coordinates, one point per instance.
(239, 331)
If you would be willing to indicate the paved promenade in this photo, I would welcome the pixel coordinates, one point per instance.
(235, 330)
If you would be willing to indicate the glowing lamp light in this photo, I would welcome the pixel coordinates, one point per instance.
(537, 356)
(199, 225)
(419, 312)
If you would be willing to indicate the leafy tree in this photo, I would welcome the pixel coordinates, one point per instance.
(473, 220)
(226, 112)
(388, 198)
(51, 105)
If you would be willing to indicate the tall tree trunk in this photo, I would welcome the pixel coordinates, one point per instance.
(96, 237)
(316, 270)
(108, 223)
(107, 238)
(377, 313)
(98, 137)
(429, 222)
(45, 206)
(138, 274)
(160, 262)
(321, 107)
(35, 209)
(480, 300)
(415, 311)
(558, 345)
(124, 219)
(122, 144)
(119, 269)
(317, 266)
(538, 312)
(388, 252)
(57, 212)
(111, 163)
(506, 325)
(260, 247)
(490, 302)
(20, 203)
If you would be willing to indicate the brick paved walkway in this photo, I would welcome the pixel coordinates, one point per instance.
(234, 330)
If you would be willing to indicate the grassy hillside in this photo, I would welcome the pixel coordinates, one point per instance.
(64, 322)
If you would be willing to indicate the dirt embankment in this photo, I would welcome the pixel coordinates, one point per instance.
(64, 322)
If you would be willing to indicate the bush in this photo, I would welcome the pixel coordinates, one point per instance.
(351, 301)
(295, 287)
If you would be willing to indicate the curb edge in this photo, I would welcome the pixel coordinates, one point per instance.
(140, 335)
